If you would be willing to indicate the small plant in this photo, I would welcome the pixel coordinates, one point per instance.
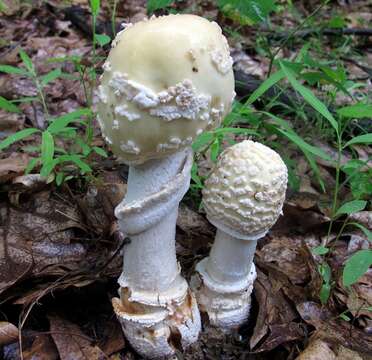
(54, 160)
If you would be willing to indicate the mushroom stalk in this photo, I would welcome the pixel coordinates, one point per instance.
(155, 304)
(159, 239)
(231, 258)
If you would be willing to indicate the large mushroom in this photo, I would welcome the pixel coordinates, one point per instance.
(243, 198)
(165, 81)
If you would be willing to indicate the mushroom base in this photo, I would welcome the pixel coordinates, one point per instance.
(227, 306)
(158, 331)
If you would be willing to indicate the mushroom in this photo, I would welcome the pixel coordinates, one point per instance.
(243, 197)
(165, 81)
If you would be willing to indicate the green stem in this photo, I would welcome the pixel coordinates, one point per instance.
(113, 16)
(42, 97)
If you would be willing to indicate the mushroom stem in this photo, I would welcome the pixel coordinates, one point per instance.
(155, 305)
(230, 259)
(143, 270)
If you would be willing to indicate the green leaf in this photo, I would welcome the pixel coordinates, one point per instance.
(356, 111)
(343, 316)
(215, 149)
(202, 140)
(247, 11)
(100, 151)
(16, 137)
(230, 130)
(47, 153)
(95, 6)
(8, 106)
(195, 175)
(27, 62)
(325, 272)
(58, 124)
(356, 266)
(266, 85)
(351, 207)
(320, 250)
(12, 70)
(103, 39)
(366, 232)
(361, 139)
(325, 291)
(153, 5)
(47, 147)
(309, 97)
(59, 178)
(31, 165)
(48, 167)
(303, 145)
(51, 76)
(85, 168)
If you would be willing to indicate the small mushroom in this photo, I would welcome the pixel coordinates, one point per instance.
(165, 81)
(243, 198)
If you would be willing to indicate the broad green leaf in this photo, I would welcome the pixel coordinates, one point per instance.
(309, 96)
(351, 207)
(27, 62)
(361, 139)
(8, 69)
(103, 39)
(95, 6)
(51, 76)
(266, 85)
(356, 266)
(58, 124)
(356, 111)
(344, 317)
(320, 250)
(86, 149)
(153, 5)
(202, 140)
(99, 151)
(16, 137)
(366, 232)
(8, 106)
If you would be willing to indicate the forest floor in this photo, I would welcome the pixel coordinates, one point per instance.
(61, 250)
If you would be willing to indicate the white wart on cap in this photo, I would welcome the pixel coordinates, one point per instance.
(245, 192)
(166, 80)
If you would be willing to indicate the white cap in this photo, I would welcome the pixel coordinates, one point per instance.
(166, 80)
(245, 192)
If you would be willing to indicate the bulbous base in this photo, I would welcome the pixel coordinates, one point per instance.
(158, 331)
(227, 305)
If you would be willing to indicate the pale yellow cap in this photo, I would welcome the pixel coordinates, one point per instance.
(165, 81)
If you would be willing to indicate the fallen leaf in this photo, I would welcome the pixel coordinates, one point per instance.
(8, 333)
(71, 342)
(13, 166)
(42, 348)
(316, 350)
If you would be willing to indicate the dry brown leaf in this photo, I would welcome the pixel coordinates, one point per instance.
(42, 348)
(8, 333)
(13, 166)
(334, 331)
(275, 323)
(71, 342)
(316, 350)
